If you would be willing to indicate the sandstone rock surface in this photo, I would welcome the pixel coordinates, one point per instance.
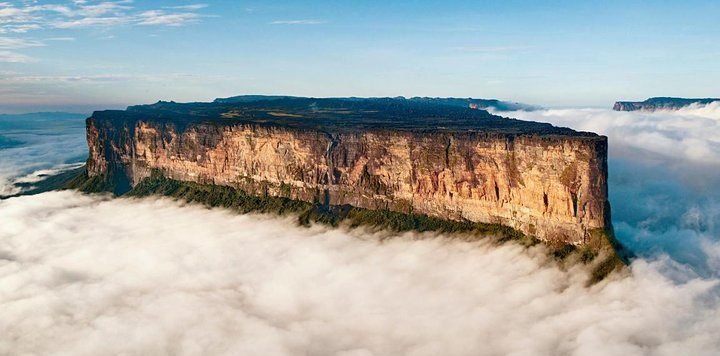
(453, 163)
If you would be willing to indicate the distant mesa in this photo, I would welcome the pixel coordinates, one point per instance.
(348, 114)
(660, 103)
(479, 104)
(431, 156)
(407, 164)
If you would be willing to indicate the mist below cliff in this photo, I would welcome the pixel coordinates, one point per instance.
(86, 275)
(32, 145)
(91, 275)
(664, 170)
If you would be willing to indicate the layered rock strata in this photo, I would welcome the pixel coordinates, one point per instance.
(452, 163)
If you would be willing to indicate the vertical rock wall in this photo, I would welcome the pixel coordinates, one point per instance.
(551, 187)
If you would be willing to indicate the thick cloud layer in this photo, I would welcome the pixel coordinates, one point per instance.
(86, 276)
(30, 144)
(83, 275)
(692, 133)
(664, 178)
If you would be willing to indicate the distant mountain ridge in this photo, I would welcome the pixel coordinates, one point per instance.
(480, 104)
(660, 103)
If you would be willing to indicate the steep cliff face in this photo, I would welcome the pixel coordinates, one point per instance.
(546, 182)
(662, 103)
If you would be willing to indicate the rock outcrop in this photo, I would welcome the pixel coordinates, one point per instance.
(663, 103)
(444, 161)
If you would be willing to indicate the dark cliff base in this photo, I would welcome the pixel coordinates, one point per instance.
(602, 253)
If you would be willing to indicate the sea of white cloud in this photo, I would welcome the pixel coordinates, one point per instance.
(88, 275)
(41, 144)
(664, 178)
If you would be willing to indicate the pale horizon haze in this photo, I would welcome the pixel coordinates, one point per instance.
(89, 55)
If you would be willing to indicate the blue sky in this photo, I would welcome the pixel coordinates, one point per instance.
(83, 55)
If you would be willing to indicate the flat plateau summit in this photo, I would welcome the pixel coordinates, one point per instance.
(661, 103)
(391, 154)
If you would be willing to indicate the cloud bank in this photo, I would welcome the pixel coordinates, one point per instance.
(86, 275)
(14, 57)
(39, 144)
(692, 133)
(664, 174)
(82, 275)
(22, 18)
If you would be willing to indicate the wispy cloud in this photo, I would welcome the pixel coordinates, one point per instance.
(93, 22)
(491, 49)
(10, 14)
(65, 78)
(60, 39)
(15, 43)
(188, 7)
(14, 57)
(13, 78)
(79, 14)
(62, 87)
(297, 22)
(82, 10)
(159, 17)
(19, 28)
(23, 17)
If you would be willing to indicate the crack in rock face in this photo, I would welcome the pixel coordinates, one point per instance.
(547, 182)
